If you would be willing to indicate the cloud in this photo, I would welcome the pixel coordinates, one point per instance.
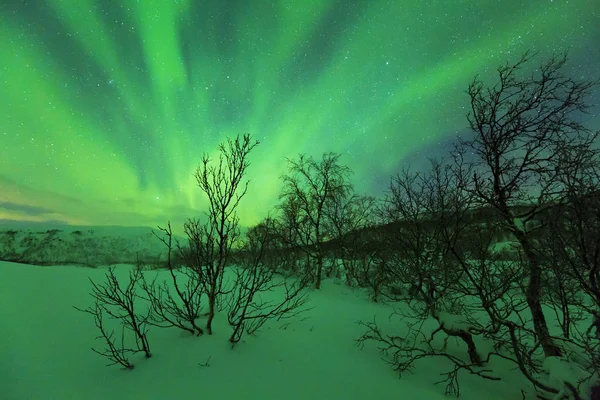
(22, 190)
(25, 208)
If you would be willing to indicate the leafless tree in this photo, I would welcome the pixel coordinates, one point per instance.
(210, 243)
(561, 291)
(279, 253)
(197, 267)
(116, 354)
(498, 308)
(571, 246)
(177, 303)
(307, 188)
(347, 216)
(521, 125)
(288, 226)
(574, 223)
(429, 215)
(425, 214)
(404, 351)
(453, 277)
(485, 302)
(119, 303)
(248, 309)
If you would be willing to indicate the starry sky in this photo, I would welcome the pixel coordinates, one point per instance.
(108, 105)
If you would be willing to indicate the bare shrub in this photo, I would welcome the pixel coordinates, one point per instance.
(177, 304)
(248, 310)
(210, 243)
(197, 267)
(120, 303)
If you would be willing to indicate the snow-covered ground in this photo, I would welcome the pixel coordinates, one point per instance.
(45, 343)
(45, 351)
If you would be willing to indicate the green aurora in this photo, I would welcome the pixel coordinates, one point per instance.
(108, 105)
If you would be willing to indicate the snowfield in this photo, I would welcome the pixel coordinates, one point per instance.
(45, 344)
(45, 351)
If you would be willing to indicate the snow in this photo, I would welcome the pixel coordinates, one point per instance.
(45, 347)
(454, 322)
(45, 351)
(561, 370)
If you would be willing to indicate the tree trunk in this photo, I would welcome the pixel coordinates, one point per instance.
(211, 309)
(467, 338)
(532, 296)
(539, 320)
(319, 269)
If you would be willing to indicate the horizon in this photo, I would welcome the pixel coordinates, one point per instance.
(109, 109)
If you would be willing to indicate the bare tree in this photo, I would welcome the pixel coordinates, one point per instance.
(521, 125)
(424, 213)
(278, 252)
(347, 216)
(197, 266)
(404, 351)
(307, 188)
(248, 309)
(120, 304)
(571, 245)
(287, 227)
(210, 243)
(497, 312)
(454, 278)
(116, 354)
(561, 291)
(574, 222)
(182, 308)
(429, 215)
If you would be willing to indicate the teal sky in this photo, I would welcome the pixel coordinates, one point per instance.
(107, 106)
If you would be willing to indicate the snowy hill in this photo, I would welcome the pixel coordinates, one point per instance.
(45, 244)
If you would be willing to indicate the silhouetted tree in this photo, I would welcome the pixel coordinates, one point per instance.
(119, 302)
(429, 213)
(307, 189)
(179, 303)
(210, 243)
(522, 125)
(248, 305)
(347, 215)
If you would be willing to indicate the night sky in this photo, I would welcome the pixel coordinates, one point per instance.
(107, 106)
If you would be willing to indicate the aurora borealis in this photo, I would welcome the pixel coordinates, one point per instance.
(108, 105)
